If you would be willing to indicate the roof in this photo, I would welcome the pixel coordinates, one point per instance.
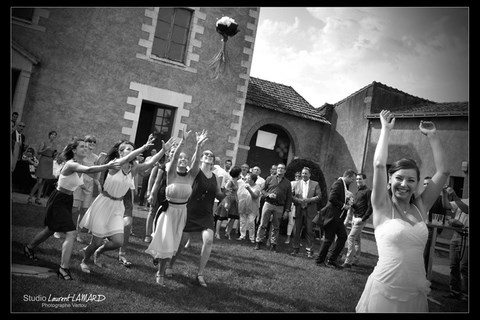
(281, 98)
(446, 109)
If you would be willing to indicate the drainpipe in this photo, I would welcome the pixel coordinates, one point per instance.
(365, 147)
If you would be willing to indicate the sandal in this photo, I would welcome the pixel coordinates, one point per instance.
(85, 268)
(201, 282)
(159, 279)
(65, 275)
(29, 253)
(124, 261)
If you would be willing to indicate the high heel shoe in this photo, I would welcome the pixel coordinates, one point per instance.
(29, 253)
(159, 279)
(201, 282)
(65, 275)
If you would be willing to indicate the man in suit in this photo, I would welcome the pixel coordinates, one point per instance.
(19, 137)
(306, 195)
(333, 215)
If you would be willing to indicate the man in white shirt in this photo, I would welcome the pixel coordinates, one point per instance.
(260, 181)
(227, 165)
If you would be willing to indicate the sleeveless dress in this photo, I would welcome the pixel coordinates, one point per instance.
(59, 205)
(45, 164)
(200, 204)
(104, 218)
(170, 224)
(398, 283)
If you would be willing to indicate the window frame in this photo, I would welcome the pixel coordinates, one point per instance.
(165, 55)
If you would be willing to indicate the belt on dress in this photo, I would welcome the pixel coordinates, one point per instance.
(106, 194)
(178, 203)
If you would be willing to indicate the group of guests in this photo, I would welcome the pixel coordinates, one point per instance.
(397, 205)
(32, 170)
(191, 190)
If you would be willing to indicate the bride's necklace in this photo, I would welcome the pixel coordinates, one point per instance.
(406, 214)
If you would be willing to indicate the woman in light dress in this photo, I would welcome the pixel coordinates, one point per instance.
(248, 204)
(105, 217)
(170, 224)
(398, 283)
(59, 205)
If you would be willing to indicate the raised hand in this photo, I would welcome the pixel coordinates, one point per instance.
(186, 133)
(201, 137)
(150, 140)
(387, 119)
(166, 146)
(427, 127)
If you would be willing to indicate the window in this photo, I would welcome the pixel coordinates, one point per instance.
(23, 13)
(171, 34)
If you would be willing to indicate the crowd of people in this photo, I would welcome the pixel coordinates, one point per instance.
(198, 195)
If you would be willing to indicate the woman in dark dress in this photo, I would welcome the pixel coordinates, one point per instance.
(200, 212)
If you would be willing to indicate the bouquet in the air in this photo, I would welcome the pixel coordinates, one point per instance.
(226, 27)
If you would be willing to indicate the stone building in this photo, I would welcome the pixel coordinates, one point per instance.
(355, 129)
(123, 73)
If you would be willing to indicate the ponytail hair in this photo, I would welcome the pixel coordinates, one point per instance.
(67, 153)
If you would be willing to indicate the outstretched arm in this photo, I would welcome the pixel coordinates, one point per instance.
(166, 146)
(433, 189)
(379, 187)
(71, 167)
(201, 138)
(132, 155)
(178, 149)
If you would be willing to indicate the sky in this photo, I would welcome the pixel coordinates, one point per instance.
(328, 53)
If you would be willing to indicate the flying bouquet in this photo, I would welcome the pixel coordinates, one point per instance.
(226, 27)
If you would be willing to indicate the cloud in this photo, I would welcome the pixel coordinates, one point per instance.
(337, 51)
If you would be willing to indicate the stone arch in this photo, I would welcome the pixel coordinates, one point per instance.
(281, 123)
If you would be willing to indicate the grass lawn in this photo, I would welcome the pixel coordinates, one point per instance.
(239, 278)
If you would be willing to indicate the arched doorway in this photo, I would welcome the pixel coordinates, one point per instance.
(269, 145)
